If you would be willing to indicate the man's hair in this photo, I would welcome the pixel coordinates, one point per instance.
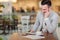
(46, 2)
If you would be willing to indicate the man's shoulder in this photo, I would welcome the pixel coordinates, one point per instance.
(55, 14)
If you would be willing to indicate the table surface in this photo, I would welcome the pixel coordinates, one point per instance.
(17, 36)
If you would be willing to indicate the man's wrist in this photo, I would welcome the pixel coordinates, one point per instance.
(46, 18)
(31, 31)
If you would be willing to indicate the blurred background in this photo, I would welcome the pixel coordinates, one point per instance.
(20, 15)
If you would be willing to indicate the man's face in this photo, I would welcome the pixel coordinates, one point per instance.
(45, 8)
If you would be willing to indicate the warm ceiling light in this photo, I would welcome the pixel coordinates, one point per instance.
(8, 0)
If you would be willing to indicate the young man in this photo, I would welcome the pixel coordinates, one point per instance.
(46, 19)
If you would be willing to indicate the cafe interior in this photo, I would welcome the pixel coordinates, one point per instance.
(18, 16)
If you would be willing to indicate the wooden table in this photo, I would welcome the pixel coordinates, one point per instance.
(16, 36)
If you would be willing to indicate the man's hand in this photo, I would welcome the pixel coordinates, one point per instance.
(31, 31)
(46, 14)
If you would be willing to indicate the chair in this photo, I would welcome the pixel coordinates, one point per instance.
(13, 25)
(25, 23)
(58, 32)
(1, 23)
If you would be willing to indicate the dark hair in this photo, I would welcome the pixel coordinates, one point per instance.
(47, 2)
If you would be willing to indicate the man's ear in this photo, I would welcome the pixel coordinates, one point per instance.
(50, 8)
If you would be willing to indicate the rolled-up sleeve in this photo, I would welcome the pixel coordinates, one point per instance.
(51, 25)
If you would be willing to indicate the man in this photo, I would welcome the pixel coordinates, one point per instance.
(46, 19)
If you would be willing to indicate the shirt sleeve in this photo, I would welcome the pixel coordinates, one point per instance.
(51, 25)
(36, 25)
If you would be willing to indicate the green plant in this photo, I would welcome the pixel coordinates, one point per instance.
(1, 38)
(5, 17)
(14, 16)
